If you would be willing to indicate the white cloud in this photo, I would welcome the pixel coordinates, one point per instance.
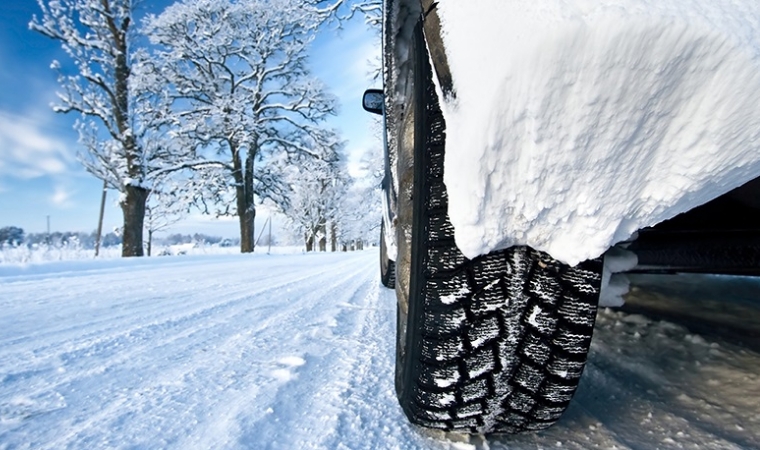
(343, 59)
(27, 150)
(61, 197)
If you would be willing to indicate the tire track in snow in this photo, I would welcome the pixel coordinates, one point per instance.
(203, 368)
(236, 379)
(312, 406)
(343, 397)
(143, 311)
(195, 326)
(128, 305)
(369, 412)
(142, 334)
(309, 336)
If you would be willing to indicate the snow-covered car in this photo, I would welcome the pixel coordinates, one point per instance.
(535, 151)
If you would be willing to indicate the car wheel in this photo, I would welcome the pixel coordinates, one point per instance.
(493, 344)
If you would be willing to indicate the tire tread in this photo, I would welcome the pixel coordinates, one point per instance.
(505, 335)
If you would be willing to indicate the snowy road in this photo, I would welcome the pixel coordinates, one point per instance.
(297, 351)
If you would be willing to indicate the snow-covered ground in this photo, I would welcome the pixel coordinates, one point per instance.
(297, 352)
(22, 255)
(577, 123)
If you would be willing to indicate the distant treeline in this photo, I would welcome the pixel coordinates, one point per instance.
(174, 239)
(15, 236)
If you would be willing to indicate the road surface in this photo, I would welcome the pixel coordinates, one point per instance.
(297, 352)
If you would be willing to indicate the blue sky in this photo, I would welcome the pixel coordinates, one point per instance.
(39, 172)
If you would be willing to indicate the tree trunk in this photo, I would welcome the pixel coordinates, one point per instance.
(250, 210)
(244, 199)
(246, 229)
(150, 240)
(322, 233)
(133, 208)
(246, 233)
(333, 237)
(309, 241)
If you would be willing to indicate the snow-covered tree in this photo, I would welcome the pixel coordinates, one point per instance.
(96, 35)
(361, 215)
(361, 209)
(12, 236)
(327, 205)
(345, 9)
(241, 90)
(117, 126)
(317, 192)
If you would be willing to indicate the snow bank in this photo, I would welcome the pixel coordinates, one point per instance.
(577, 123)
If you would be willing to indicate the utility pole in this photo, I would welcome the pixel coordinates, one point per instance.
(100, 219)
(264, 228)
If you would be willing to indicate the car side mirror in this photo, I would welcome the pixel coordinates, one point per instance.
(374, 101)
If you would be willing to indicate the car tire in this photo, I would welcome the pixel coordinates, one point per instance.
(387, 266)
(492, 344)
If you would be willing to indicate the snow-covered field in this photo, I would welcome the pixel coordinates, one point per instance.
(46, 253)
(297, 352)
